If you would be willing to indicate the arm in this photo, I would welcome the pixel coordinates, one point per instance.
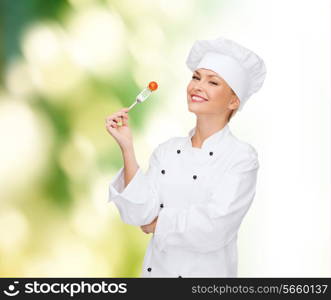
(211, 225)
(130, 165)
(137, 201)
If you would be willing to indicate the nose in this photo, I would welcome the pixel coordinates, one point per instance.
(198, 86)
(198, 90)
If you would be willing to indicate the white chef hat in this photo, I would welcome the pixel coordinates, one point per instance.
(242, 69)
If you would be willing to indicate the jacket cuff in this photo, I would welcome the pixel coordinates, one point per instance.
(134, 192)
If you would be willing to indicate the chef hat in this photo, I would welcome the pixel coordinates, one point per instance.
(240, 67)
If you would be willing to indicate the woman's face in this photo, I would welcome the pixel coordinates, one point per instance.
(216, 94)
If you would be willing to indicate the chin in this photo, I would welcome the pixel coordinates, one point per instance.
(197, 110)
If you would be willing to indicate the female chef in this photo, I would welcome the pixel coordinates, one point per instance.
(198, 188)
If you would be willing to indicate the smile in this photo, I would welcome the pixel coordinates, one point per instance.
(196, 98)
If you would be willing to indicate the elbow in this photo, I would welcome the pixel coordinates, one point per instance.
(138, 219)
(137, 214)
(131, 221)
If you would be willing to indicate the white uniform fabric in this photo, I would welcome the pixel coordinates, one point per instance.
(200, 196)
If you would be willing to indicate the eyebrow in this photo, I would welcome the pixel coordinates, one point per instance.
(208, 75)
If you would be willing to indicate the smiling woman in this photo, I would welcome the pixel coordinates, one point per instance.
(208, 93)
(197, 188)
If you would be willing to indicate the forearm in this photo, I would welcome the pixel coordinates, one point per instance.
(130, 164)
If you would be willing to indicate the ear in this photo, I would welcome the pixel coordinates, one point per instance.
(234, 102)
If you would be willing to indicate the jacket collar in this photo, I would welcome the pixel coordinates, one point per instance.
(212, 141)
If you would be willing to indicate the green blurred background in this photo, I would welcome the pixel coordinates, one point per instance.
(64, 66)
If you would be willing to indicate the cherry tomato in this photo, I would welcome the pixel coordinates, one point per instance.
(152, 85)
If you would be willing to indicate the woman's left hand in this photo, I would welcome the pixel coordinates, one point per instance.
(149, 228)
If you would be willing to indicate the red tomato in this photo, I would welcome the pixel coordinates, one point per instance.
(152, 85)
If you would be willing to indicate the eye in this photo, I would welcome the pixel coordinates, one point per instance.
(195, 77)
(214, 83)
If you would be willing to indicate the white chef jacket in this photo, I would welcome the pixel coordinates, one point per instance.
(200, 196)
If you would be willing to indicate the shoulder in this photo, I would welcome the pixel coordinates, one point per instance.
(244, 156)
(242, 147)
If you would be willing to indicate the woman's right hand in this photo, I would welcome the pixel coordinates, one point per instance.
(121, 133)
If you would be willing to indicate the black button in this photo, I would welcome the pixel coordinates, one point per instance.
(178, 151)
(211, 153)
(149, 269)
(161, 205)
(163, 171)
(194, 176)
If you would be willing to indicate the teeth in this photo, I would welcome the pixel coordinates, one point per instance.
(198, 98)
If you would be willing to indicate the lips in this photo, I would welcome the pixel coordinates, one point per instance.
(196, 98)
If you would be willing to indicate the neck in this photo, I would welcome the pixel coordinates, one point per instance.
(205, 127)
